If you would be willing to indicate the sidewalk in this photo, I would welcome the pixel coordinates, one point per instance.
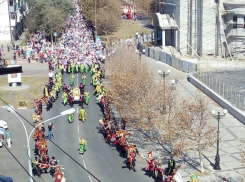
(231, 132)
(29, 69)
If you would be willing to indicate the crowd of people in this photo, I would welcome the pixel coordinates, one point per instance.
(76, 52)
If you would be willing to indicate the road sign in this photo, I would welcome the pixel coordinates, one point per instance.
(55, 34)
(97, 39)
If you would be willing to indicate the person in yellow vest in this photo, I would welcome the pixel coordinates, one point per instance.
(86, 97)
(97, 90)
(82, 144)
(45, 91)
(82, 114)
(86, 68)
(64, 96)
(35, 168)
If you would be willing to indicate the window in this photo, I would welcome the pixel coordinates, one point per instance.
(13, 16)
(244, 22)
(234, 21)
(11, 3)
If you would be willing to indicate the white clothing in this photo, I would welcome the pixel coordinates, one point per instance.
(50, 74)
(9, 142)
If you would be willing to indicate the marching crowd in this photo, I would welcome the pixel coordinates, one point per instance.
(76, 52)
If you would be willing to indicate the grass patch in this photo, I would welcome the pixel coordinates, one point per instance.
(35, 93)
(3, 81)
(39, 82)
(126, 29)
(4, 95)
(20, 97)
(26, 80)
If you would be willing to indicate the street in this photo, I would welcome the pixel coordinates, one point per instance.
(102, 160)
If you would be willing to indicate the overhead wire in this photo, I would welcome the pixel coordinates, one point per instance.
(18, 161)
(56, 144)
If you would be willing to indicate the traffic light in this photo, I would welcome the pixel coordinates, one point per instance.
(11, 70)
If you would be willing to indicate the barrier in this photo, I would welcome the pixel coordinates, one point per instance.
(157, 55)
(217, 98)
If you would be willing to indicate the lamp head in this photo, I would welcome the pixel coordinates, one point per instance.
(225, 111)
(10, 108)
(136, 50)
(213, 112)
(159, 71)
(143, 50)
(68, 111)
(169, 71)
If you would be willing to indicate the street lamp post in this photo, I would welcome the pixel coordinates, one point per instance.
(164, 75)
(11, 109)
(95, 20)
(218, 116)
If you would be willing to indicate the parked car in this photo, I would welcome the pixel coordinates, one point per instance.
(3, 124)
(5, 179)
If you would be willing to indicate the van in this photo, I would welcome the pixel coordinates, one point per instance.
(3, 124)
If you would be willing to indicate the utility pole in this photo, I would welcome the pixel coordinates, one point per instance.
(95, 14)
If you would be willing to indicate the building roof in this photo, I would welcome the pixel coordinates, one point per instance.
(164, 21)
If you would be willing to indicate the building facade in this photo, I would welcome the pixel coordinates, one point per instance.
(234, 19)
(12, 18)
(207, 27)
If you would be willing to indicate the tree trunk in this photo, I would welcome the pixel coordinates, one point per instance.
(51, 32)
(201, 163)
(106, 32)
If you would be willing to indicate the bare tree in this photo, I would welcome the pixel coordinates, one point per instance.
(201, 132)
(242, 153)
(147, 6)
(108, 14)
(171, 128)
(54, 21)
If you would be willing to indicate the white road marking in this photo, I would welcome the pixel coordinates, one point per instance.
(78, 139)
(84, 165)
(78, 129)
(90, 179)
(77, 79)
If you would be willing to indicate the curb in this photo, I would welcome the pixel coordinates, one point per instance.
(21, 107)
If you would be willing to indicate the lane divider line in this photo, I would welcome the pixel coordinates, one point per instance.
(78, 129)
(84, 165)
(90, 179)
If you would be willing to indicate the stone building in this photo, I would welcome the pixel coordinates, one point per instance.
(204, 27)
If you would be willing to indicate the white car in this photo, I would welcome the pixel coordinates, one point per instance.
(3, 124)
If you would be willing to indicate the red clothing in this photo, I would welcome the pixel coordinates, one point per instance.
(58, 177)
(151, 165)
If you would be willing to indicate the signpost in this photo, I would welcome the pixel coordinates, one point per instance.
(55, 35)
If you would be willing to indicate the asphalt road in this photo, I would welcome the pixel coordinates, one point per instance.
(100, 159)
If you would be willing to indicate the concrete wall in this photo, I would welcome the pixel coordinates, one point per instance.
(179, 64)
(238, 114)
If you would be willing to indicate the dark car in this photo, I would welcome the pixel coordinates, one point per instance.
(5, 179)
